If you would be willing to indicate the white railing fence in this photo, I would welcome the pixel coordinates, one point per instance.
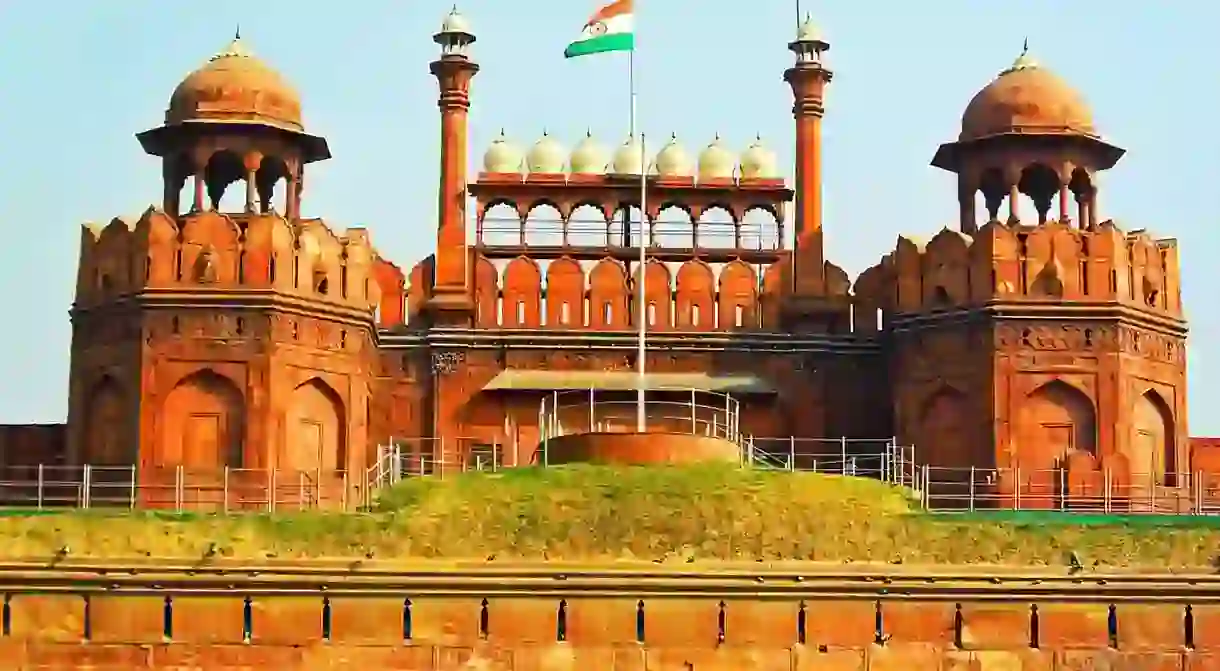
(884, 459)
(1105, 491)
(176, 488)
(686, 411)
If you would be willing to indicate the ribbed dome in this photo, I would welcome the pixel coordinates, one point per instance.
(716, 162)
(589, 157)
(503, 156)
(673, 161)
(1028, 99)
(759, 162)
(629, 159)
(235, 87)
(547, 157)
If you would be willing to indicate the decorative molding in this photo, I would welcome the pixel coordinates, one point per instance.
(444, 363)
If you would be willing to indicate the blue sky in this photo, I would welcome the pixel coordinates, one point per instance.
(80, 78)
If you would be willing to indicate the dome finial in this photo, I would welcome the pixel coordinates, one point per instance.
(235, 49)
(1024, 61)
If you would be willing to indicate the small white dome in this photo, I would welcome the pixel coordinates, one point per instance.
(589, 157)
(455, 23)
(673, 161)
(629, 159)
(547, 157)
(808, 31)
(503, 156)
(716, 162)
(758, 162)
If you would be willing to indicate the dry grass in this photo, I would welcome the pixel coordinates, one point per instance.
(675, 514)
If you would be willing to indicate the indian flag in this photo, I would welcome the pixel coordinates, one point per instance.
(610, 29)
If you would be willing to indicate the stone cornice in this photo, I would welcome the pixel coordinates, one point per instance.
(171, 299)
(1066, 312)
(577, 340)
(559, 580)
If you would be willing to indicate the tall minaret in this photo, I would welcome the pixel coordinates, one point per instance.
(808, 78)
(451, 302)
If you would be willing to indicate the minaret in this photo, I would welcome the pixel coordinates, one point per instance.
(451, 302)
(808, 78)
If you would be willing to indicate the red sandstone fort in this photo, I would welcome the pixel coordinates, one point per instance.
(1044, 342)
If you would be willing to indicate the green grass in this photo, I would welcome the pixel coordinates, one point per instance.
(609, 513)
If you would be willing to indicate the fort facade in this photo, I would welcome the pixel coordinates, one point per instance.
(1046, 345)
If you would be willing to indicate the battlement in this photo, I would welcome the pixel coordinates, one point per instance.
(222, 252)
(1051, 262)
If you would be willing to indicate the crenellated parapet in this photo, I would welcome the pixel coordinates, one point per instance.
(1048, 263)
(226, 253)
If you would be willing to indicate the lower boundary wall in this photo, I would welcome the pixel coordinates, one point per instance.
(221, 616)
(207, 632)
(561, 656)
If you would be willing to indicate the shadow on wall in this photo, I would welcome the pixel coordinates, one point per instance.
(32, 444)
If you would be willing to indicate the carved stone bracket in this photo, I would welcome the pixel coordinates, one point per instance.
(444, 363)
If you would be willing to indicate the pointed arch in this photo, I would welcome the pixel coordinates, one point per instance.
(486, 292)
(317, 430)
(1153, 452)
(106, 442)
(738, 296)
(522, 294)
(565, 294)
(1055, 420)
(942, 431)
(203, 424)
(608, 297)
(658, 295)
(695, 297)
(775, 282)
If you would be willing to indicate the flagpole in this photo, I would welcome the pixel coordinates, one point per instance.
(642, 318)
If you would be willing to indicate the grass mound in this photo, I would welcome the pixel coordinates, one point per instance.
(602, 512)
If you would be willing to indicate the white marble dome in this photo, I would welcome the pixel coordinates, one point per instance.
(629, 158)
(759, 162)
(589, 157)
(503, 156)
(716, 162)
(673, 161)
(546, 157)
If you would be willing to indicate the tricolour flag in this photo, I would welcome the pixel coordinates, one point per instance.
(610, 29)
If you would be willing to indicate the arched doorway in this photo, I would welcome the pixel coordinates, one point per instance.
(944, 447)
(203, 424)
(316, 439)
(942, 431)
(106, 442)
(1056, 422)
(1153, 455)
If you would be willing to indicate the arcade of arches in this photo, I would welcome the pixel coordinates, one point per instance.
(1056, 427)
(203, 426)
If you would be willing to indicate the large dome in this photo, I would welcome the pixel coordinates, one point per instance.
(235, 87)
(1027, 99)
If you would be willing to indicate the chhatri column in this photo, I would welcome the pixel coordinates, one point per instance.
(453, 70)
(808, 78)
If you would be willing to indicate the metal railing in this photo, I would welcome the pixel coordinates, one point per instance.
(685, 411)
(176, 488)
(883, 459)
(1105, 492)
(414, 457)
